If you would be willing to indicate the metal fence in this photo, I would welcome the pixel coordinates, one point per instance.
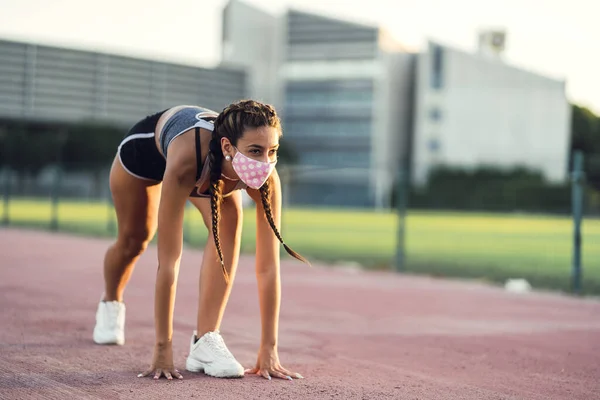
(552, 240)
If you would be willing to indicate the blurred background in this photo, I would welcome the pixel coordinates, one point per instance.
(424, 155)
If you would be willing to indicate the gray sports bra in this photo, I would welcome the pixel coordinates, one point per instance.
(182, 121)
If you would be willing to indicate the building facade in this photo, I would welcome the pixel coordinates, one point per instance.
(475, 109)
(347, 91)
(63, 85)
(253, 40)
(343, 91)
(358, 108)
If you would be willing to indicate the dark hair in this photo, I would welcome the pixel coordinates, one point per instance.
(231, 123)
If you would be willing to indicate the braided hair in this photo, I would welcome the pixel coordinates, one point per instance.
(231, 123)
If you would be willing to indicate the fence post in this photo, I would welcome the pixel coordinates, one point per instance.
(577, 178)
(401, 204)
(61, 140)
(7, 183)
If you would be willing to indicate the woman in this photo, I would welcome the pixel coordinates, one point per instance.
(189, 152)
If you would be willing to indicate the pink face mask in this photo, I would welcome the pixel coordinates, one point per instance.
(253, 173)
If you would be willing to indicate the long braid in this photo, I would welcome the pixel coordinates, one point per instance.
(224, 125)
(265, 196)
(231, 123)
(216, 190)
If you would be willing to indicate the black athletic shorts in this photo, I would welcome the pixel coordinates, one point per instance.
(138, 153)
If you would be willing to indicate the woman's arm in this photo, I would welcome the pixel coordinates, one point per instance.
(269, 282)
(178, 183)
(175, 192)
(267, 264)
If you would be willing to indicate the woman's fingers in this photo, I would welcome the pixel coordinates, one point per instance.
(145, 373)
(281, 375)
(265, 374)
(158, 372)
(289, 373)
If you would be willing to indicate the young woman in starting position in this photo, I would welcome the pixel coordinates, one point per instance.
(192, 153)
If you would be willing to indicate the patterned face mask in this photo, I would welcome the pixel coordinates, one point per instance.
(252, 172)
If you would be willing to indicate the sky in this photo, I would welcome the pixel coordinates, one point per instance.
(556, 38)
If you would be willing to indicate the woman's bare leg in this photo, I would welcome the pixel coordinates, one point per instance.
(136, 205)
(214, 292)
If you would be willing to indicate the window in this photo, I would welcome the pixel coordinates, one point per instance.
(333, 128)
(338, 94)
(435, 114)
(331, 98)
(434, 146)
(335, 159)
(437, 67)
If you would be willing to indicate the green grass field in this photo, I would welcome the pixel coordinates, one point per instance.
(491, 247)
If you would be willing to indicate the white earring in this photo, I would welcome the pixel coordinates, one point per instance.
(228, 157)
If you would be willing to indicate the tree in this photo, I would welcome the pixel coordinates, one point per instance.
(29, 148)
(287, 153)
(585, 136)
(91, 146)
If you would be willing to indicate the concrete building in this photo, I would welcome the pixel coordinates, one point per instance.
(254, 40)
(64, 85)
(343, 91)
(357, 107)
(347, 91)
(475, 109)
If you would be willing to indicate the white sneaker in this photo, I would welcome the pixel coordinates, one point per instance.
(209, 354)
(110, 323)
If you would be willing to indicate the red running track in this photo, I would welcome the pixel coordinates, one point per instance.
(353, 335)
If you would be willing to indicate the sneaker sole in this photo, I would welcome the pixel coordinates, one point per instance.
(98, 339)
(192, 365)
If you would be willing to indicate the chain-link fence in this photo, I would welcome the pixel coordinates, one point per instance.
(484, 225)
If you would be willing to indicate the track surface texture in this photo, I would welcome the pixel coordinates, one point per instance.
(353, 335)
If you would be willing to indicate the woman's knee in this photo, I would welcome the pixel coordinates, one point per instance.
(133, 244)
